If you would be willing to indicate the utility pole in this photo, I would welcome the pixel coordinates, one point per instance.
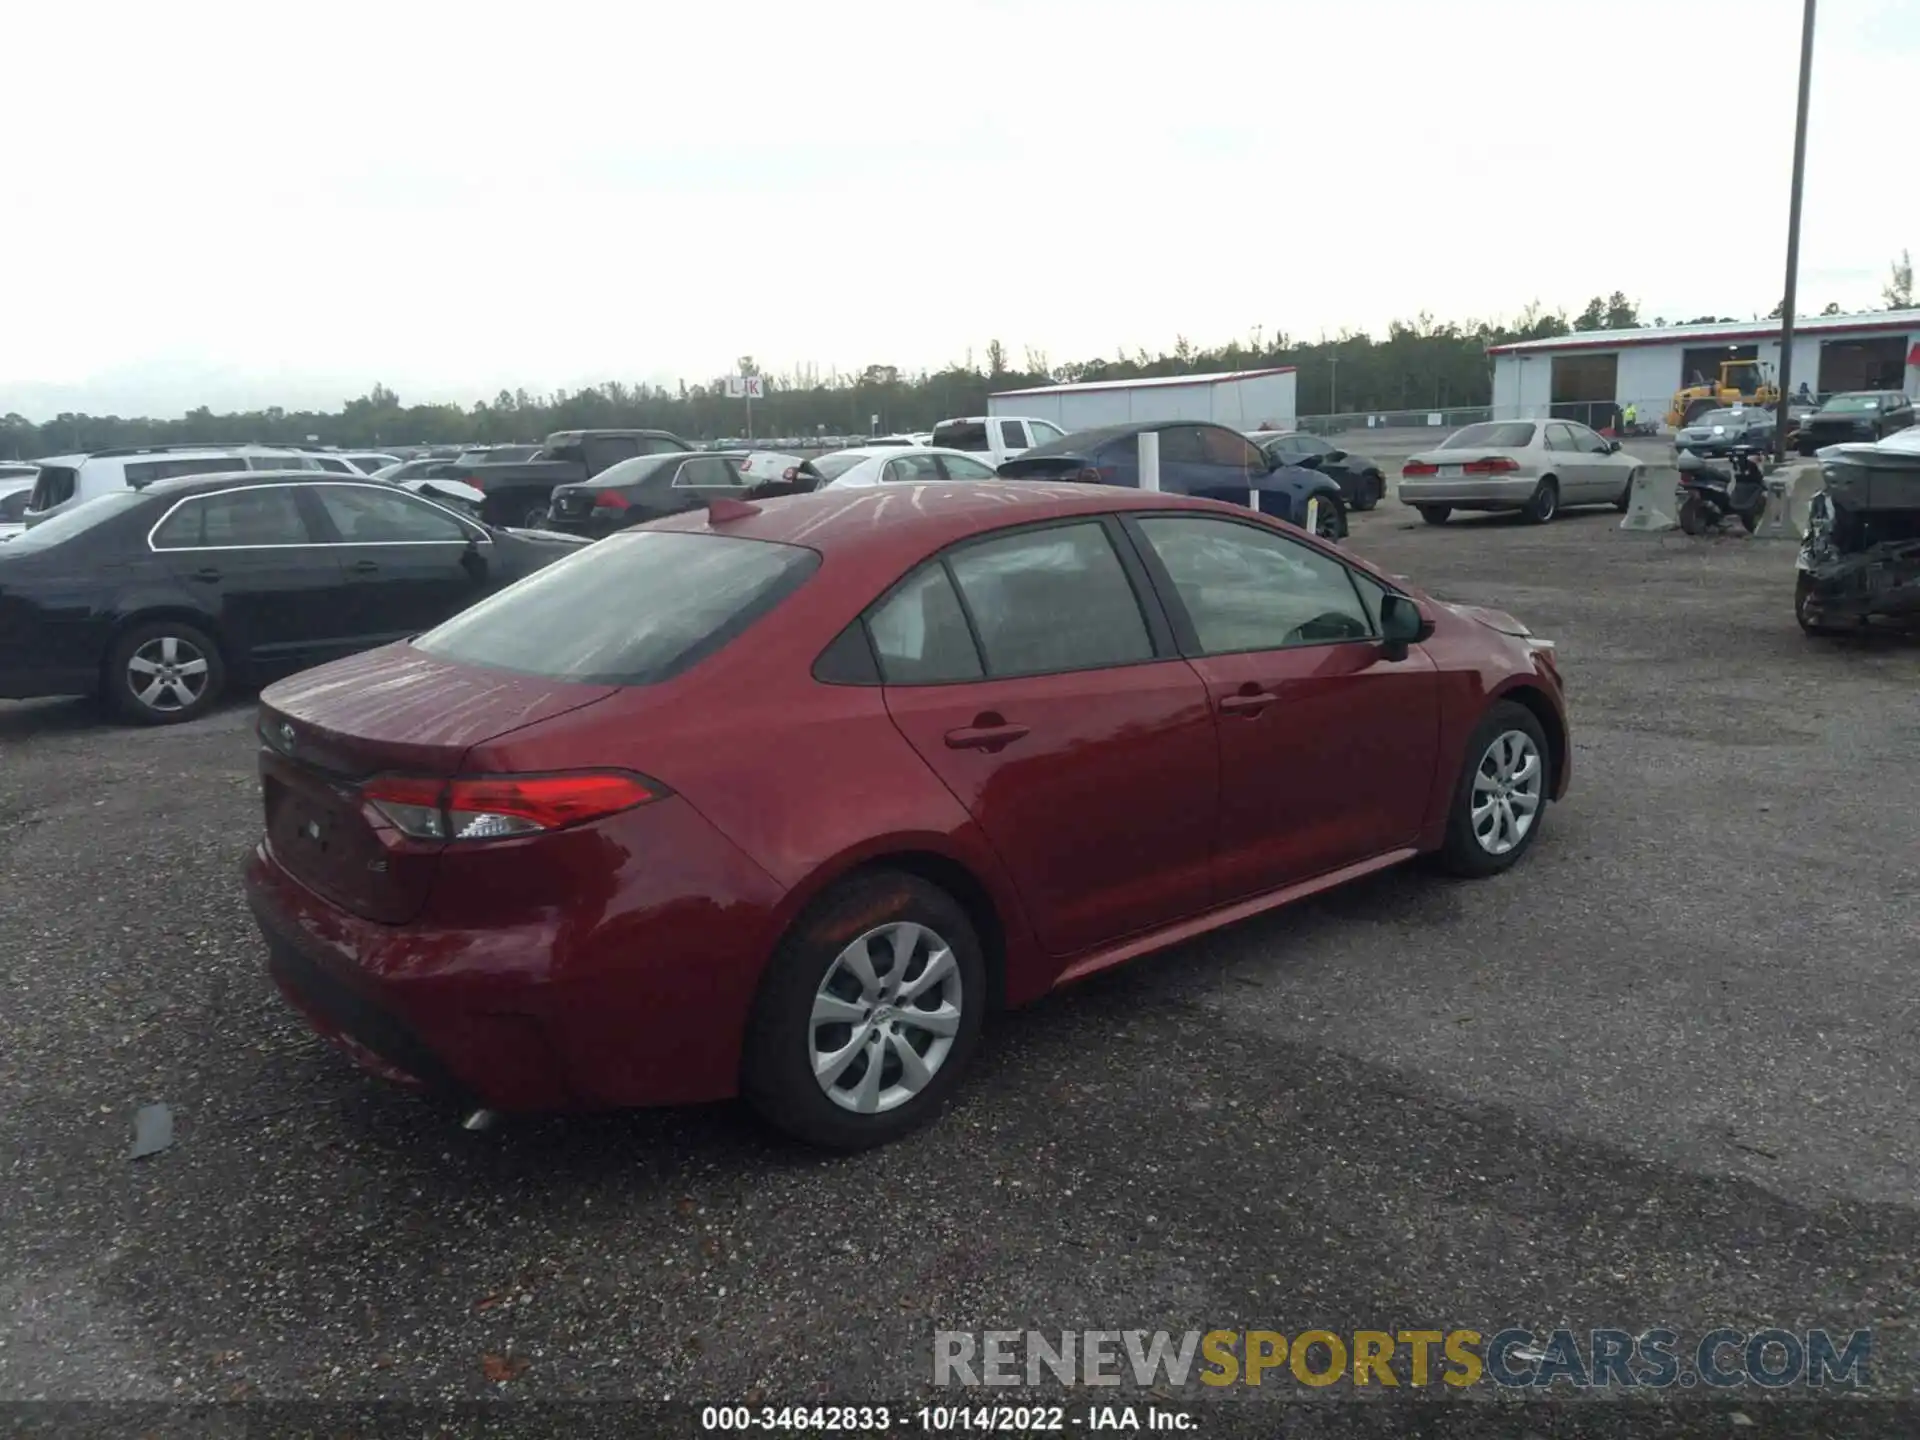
(1793, 236)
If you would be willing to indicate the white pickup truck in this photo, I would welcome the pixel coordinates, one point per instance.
(995, 438)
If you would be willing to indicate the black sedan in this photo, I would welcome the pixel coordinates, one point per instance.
(1857, 417)
(649, 487)
(1713, 433)
(157, 599)
(1207, 460)
(1360, 480)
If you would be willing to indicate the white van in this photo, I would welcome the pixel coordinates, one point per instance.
(994, 438)
(66, 480)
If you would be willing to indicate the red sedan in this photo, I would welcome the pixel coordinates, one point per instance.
(782, 800)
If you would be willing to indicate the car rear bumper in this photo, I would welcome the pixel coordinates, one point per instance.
(588, 527)
(1471, 492)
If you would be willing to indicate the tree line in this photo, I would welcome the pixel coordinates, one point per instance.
(1418, 364)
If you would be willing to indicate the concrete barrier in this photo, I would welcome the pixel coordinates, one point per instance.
(1790, 492)
(1650, 504)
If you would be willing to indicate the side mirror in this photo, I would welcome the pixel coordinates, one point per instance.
(1613, 447)
(1334, 456)
(1311, 462)
(1401, 625)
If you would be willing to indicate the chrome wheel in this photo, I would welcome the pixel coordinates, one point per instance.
(168, 674)
(1508, 786)
(884, 1017)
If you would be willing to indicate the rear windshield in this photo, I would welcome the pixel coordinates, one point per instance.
(81, 518)
(633, 609)
(1728, 417)
(969, 436)
(827, 467)
(1496, 435)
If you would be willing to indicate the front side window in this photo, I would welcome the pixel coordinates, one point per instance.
(920, 634)
(1229, 451)
(365, 515)
(1246, 588)
(1045, 432)
(235, 520)
(1051, 600)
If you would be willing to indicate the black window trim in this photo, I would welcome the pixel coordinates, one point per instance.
(1160, 632)
(316, 518)
(1186, 636)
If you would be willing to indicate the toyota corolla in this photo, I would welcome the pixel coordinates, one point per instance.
(784, 800)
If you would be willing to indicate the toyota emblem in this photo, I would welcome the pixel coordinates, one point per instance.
(286, 736)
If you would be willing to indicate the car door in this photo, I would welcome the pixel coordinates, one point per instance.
(1183, 461)
(1011, 439)
(1600, 476)
(1327, 748)
(1569, 463)
(1075, 737)
(1234, 465)
(253, 560)
(409, 563)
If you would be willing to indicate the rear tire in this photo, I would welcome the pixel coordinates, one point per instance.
(1435, 514)
(1545, 503)
(1507, 729)
(165, 672)
(1372, 487)
(1693, 517)
(1624, 500)
(788, 1041)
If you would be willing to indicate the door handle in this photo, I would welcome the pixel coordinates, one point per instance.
(1247, 702)
(364, 567)
(208, 574)
(985, 737)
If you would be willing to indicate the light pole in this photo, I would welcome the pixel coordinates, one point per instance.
(1793, 236)
(1333, 386)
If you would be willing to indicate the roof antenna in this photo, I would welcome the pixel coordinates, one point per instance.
(723, 509)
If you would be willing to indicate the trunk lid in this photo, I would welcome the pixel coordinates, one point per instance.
(325, 731)
(1045, 467)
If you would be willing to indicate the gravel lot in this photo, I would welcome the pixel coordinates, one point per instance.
(1661, 1074)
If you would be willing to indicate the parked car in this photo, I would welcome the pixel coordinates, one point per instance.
(1361, 482)
(783, 802)
(1533, 466)
(67, 480)
(16, 488)
(520, 492)
(368, 461)
(853, 469)
(651, 486)
(1195, 459)
(1856, 417)
(1713, 433)
(998, 437)
(498, 455)
(157, 599)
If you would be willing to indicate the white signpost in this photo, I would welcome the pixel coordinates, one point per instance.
(748, 388)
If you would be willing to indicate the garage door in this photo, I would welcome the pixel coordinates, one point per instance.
(1585, 388)
(1876, 364)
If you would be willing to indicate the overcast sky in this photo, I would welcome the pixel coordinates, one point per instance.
(250, 204)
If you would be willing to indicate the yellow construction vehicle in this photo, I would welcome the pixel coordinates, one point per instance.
(1742, 382)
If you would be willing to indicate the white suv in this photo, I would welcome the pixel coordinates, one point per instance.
(66, 480)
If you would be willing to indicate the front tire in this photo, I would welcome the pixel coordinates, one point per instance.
(1330, 524)
(1501, 798)
(1624, 500)
(1435, 514)
(1545, 503)
(1693, 517)
(165, 672)
(867, 1015)
(1371, 488)
(1805, 613)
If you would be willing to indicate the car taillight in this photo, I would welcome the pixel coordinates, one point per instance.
(1089, 475)
(790, 474)
(1493, 465)
(493, 807)
(609, 500)
(1419, 467)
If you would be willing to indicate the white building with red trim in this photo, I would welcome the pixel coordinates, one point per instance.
(1241, 399)
(1586, 375)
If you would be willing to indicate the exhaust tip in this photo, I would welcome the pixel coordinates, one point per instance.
(478, 1120)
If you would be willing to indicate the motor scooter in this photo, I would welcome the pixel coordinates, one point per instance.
(1708, 493)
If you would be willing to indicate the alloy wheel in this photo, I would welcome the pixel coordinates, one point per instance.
(168, 674)
(1508, 786)
(884, 1017)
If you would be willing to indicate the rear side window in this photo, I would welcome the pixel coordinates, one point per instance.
(920, 634)
(962, 435)
(145, 472)
(333, 465)
(603, 450)
(638, 607)
(365, 515)
(237, 519)
(1051, 600)
(1013, 435)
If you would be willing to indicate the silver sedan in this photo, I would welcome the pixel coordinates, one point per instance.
(1533, 466)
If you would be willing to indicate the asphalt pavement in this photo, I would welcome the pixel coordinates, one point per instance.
(1661, 1074)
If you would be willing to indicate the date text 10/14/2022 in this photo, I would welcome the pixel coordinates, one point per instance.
(942, 1419)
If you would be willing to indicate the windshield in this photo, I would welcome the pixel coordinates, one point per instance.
(77, 521)
(1728, 417)
(1494, 435)
(1852, 404)
(828, 467)
(635, 608)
